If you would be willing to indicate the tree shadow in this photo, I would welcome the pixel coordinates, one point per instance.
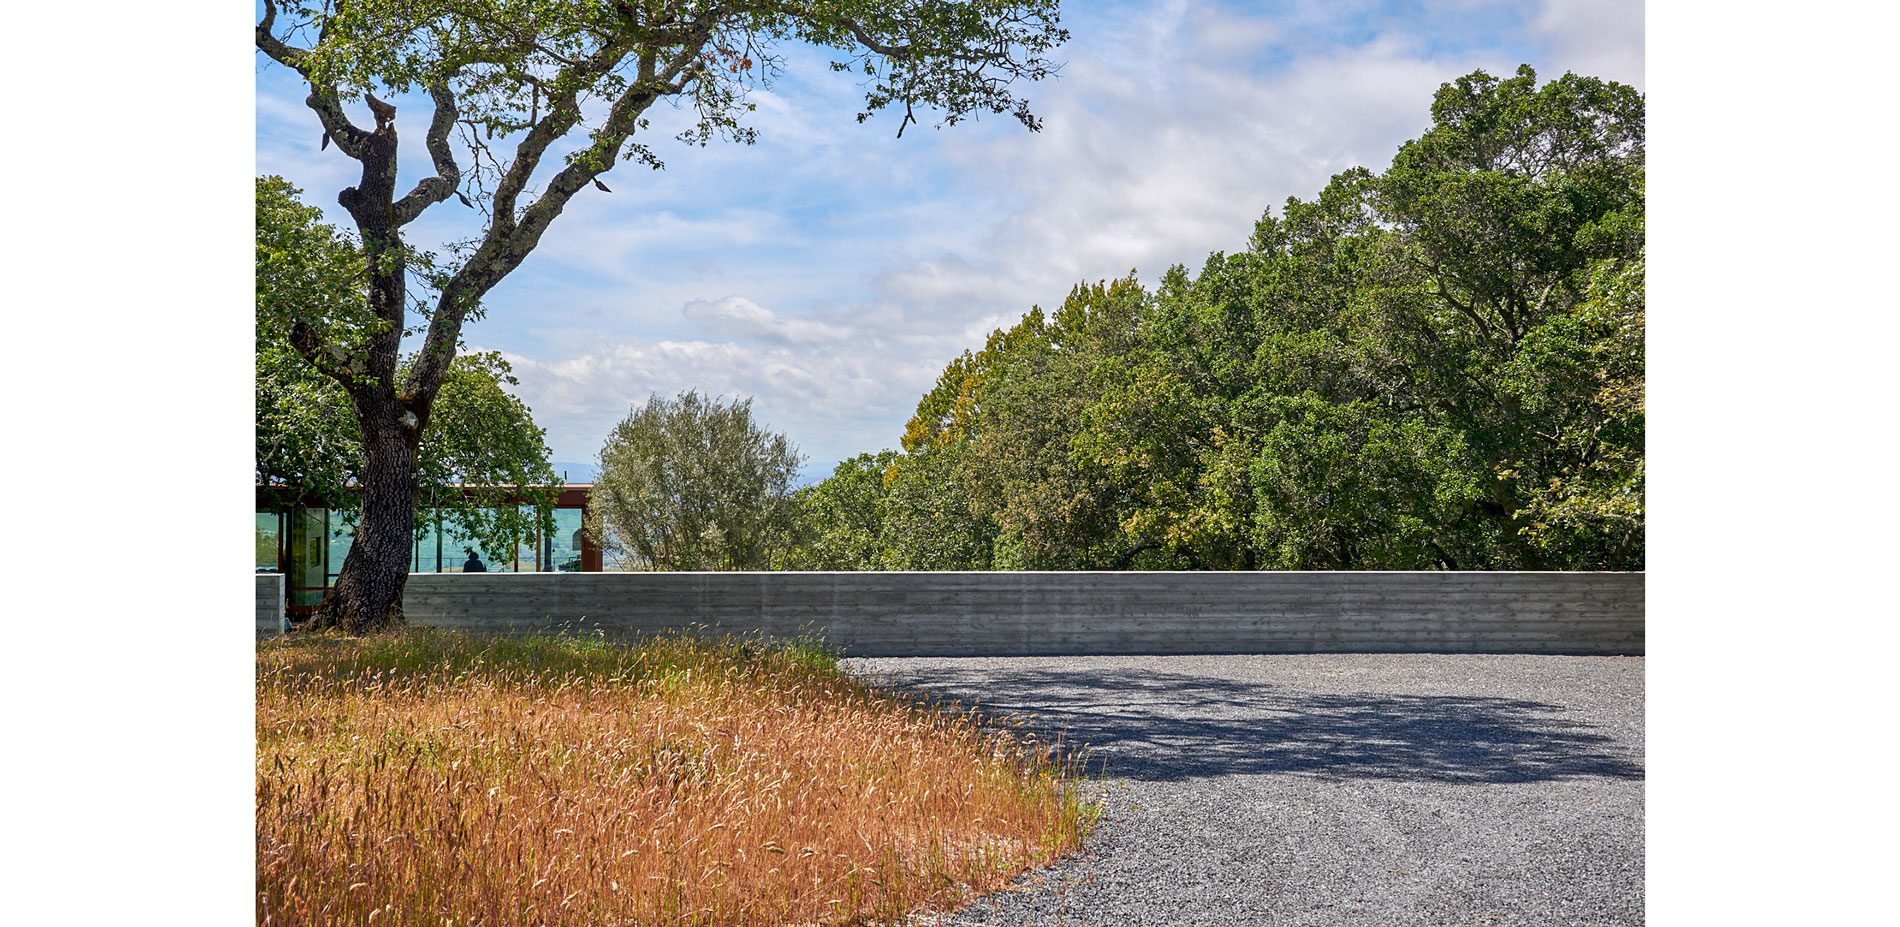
(1161, 726)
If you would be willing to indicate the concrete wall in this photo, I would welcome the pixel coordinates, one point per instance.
(270, 604)
(998, 614)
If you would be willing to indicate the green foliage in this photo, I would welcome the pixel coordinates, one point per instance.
(1003, 425)
(484, 438)
(841, 520)
(892, 511)
(931, 521)
(312, 274)
(693, 484)
(1346, 486)
(309, 446)
(1595, 505)
(1437, 366)
(507, 63)
(307, 271)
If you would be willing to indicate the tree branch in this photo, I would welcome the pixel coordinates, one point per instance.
(319, 353)
(508, 243)
(563, 113)
(432, 190)
(621, 121)
(322, 99)
(348, 137)
(1438, 282)
(865, 38)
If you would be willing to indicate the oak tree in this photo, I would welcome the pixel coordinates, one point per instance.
(483, 468)
(509, 79)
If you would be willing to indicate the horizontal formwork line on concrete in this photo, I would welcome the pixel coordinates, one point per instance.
(860, 630)
(1248, 626)
(1238, 624)
(1038, 648)
(869, 623)
(1125, 637)
(1178, 645)
(1036, 611)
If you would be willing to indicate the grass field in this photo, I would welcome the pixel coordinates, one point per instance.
(433, 778)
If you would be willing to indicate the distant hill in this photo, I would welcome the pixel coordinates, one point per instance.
(571, 472)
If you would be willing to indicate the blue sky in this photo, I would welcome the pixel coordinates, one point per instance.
(831, 270)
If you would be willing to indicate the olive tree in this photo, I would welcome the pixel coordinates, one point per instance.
(509, 79)
(692, 483)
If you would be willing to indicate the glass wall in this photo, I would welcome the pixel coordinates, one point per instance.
(270, 531)
(562, 549)
(428, 557)
(342, 535)
(309, 545)
(530, 554)
(528, 547)
(308, 569)
(463, 554)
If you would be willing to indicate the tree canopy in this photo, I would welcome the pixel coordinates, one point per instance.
(309, 445)
(1437, 366)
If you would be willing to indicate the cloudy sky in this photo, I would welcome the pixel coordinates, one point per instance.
(832, 269)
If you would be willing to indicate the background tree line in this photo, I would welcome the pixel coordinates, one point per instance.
(1435, 367)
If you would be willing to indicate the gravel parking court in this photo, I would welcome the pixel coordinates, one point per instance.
(1329, 789)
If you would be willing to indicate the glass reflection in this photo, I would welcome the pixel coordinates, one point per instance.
(269, 528)
(563, 547)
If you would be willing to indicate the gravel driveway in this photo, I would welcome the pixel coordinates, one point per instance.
(1335, 789)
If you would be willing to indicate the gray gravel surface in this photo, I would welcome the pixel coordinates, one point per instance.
(1334, 789)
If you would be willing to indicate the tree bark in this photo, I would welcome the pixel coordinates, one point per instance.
(367, 596)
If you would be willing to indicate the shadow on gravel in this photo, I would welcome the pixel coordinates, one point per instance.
(1166, 726)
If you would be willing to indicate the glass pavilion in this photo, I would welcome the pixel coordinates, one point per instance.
(308, 543)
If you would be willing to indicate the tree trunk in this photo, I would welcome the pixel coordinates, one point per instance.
(367, 596)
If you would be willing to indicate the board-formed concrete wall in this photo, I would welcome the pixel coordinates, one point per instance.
(270, 604)
(999, 614)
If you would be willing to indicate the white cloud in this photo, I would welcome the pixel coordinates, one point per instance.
(1599, 38)
(833, 401)
(741, 317)
(609, 235)
(1157, 150)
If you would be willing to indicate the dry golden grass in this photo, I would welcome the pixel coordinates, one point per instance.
(431, 778)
